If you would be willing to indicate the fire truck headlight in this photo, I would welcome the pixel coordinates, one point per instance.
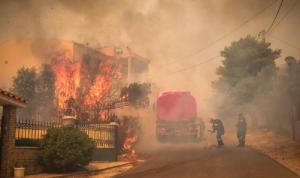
(160, 128)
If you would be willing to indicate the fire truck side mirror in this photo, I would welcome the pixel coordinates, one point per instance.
(154, 107)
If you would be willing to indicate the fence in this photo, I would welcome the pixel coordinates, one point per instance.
(92, 115)
(29, 133)
(105, 135)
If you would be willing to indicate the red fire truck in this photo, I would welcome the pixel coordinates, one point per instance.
(176, 115)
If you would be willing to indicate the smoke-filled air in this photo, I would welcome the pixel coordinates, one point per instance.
(163, 71)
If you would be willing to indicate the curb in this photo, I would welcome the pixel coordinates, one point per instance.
(84, 172)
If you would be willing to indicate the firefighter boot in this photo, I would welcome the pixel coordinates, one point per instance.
(220, 144)
(240, 143)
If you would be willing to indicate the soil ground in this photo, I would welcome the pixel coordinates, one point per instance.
(278, 146)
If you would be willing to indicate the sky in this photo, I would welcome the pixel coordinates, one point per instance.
(175, 35)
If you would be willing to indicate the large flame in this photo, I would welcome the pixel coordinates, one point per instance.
(67, 79)
(102, 84)
(74, 81)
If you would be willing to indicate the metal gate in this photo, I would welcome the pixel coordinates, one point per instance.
(106, 138)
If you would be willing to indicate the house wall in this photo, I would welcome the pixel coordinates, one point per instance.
(28, 158)
(79, 50)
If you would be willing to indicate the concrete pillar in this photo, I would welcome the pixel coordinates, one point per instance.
(69, 120)
(9, 123)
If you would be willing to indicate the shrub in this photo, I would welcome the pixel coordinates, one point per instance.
(63, 148)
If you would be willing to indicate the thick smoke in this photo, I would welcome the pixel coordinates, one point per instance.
(161, 30)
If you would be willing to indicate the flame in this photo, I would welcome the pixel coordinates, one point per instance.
(67, 79)
(72, 77)
(128, 141)
(97, 90)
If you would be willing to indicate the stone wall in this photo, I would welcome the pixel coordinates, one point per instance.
(28, 158)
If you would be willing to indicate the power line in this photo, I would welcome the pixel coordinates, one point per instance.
(275, 16)
(187, 68)
(219, 38)
(285, 15)
(283, 41)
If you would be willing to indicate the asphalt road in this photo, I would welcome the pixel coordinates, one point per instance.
(185, 160)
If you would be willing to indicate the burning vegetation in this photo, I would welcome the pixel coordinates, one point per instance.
(84, 85)
(92, 87)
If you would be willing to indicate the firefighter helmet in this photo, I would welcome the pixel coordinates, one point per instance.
(211, 119)
(239, 113)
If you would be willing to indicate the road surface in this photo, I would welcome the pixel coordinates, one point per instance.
(189, 160)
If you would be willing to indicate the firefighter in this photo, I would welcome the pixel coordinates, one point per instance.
(202, 127)
(217, 126)
(241, 129)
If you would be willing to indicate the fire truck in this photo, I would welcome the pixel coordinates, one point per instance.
(176, 115)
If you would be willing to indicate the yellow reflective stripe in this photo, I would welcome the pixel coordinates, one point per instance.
(219, 139)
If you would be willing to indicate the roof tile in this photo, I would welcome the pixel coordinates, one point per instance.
(11, 95)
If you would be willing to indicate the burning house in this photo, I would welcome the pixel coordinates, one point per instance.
(71, 62)
(83, 75)
(134, 67)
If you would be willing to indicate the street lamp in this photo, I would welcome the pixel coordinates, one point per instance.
(290, 60)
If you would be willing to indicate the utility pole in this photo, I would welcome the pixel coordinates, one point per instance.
(290, 61)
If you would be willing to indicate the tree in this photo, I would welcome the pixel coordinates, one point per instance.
(46, 89)
(25, 84)
(92, 83)
(136, 94)
(238, 82)
(37, 88)
(63, 148)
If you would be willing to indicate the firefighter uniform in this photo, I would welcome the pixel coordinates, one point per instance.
(241, 129)
(218, 126)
